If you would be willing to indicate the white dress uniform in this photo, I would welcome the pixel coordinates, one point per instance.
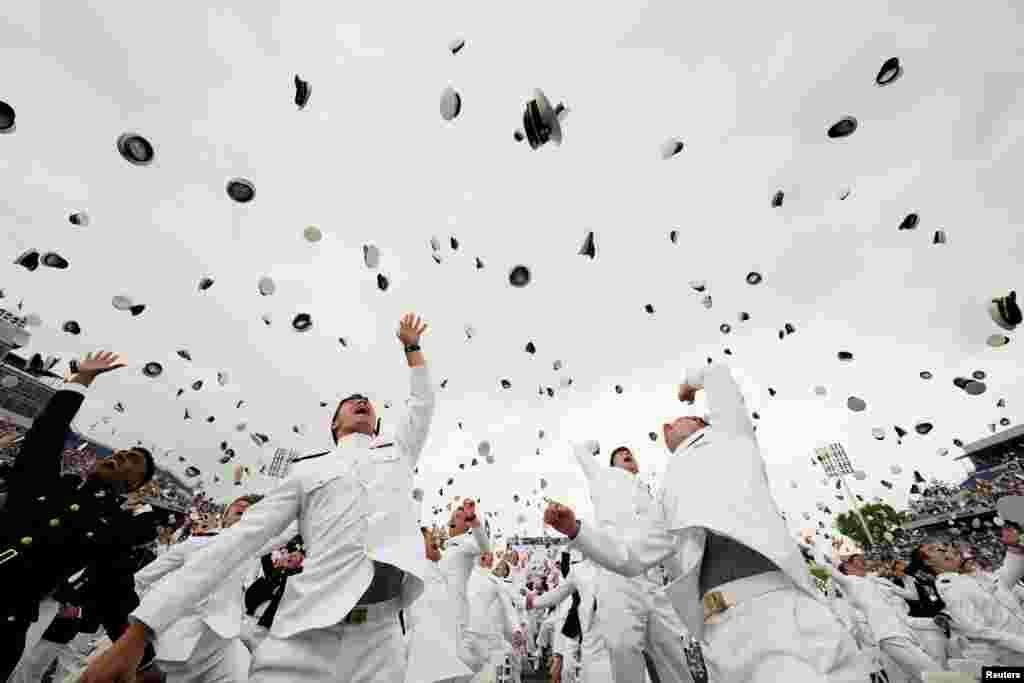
(205, 646)
(490, 606)
(432, 633)
(562, 645)
(988, 617)
(360, 493)
(886, 611)
(461, 555)
(634, 614)
(493, 613)
(780, 628)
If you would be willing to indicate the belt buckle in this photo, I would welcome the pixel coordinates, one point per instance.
(715, 602)
(8, 555)
(357, 616)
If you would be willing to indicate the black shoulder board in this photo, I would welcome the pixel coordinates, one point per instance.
(307, 457)
(383, 445)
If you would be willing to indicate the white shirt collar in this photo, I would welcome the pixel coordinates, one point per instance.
(355, 440)
(141, 509)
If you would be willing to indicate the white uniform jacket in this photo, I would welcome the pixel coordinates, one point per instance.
(580, 579)
(986, 614)
(386, 467)
(460, 556)
(432, 633)
(716, 480)
(221, 610)
(882, 602)
(491, 608)
(338, 500)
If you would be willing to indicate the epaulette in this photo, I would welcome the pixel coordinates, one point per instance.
(308, 457)
(383, 445)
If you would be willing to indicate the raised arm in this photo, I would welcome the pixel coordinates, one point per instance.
(552, 598)
(628, 556)
(1012, 570)
(908, 591)
(40, 457)
(412, 433)
(172, 597)
(172, 560)
(968, 619)
(483, 543)
(280, 540)
(585, 455)
(727, 409)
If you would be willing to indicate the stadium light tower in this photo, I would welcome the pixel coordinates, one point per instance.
(836, 464)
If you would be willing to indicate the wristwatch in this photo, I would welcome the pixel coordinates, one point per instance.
(409, 348)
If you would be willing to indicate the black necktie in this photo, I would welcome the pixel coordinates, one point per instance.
(572, 628)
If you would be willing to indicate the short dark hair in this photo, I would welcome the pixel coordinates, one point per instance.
(611, 459)
(150, 472)
(334, 437)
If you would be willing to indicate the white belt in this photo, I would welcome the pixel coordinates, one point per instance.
(363, 614)
(728, 595)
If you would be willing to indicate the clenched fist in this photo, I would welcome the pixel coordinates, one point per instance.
(560, 518)
(469, 508)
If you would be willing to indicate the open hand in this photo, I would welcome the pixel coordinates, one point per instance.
(410, 327)
(103, 361)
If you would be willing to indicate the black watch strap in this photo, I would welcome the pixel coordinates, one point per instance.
(409, 348)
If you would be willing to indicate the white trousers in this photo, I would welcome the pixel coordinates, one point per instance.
(932, 638)
(214, 660)
(35, 662)
(785, 635)
(372, 652)
(48, 609)
(253, 634)
(910, 657)
(597, 665)
(633, 615)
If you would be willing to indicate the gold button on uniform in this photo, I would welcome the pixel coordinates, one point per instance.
(75, 507)
(54, 522)
(26, 540)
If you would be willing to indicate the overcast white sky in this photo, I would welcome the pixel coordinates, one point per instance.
(750, 89)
